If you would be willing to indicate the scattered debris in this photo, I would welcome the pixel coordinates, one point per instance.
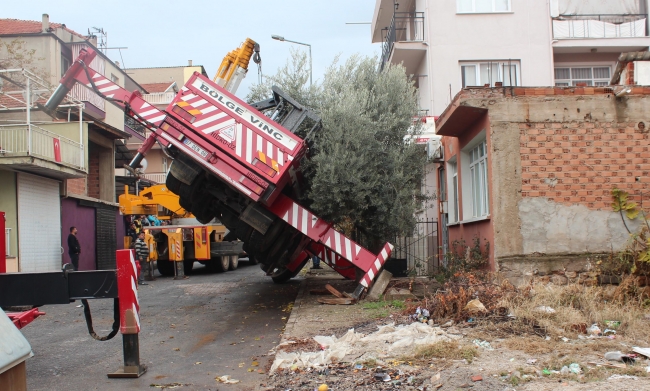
(476, 378)
(618, 356)
(323, 387)
(336, 301)
(482, 344)
(612, 324)
(531, 361)
(226, 379)
(594, 330)
(642, 351)
(168, 385)
(475, 306)
(607, 364)
(382, 376)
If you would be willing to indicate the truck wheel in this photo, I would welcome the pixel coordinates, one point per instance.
(173, 184)
(283, 274)
(165, 267)
(220, 264)
(234, 262)
(188, 265)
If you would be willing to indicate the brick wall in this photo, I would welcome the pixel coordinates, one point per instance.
(580, 162)
(93, 172)
(76, 186)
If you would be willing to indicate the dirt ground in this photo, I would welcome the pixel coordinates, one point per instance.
(512, 361)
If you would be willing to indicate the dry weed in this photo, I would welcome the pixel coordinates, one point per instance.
(449, 350)
(577, 304)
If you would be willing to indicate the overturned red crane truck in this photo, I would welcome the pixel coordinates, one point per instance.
(234, 163)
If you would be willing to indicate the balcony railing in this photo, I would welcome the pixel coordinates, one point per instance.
(404, 27)
(83, 94)
(159, 98)
(8, 242)
(155, 177)
(32, 140)
(600, 26)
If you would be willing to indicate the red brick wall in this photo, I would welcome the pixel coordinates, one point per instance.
(93, 172)
(76, 186)
(580, 162)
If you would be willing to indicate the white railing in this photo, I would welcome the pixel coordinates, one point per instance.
(159, 98)
(26, 140)
(592, 28)
(84, 94)
(8, 242)
(155, 177)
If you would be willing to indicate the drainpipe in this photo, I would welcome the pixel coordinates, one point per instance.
(28, 99)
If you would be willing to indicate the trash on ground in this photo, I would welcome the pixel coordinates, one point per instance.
(609, 331)
(575, 368)
(475, 306)
(607, 364)
(482, 344)
(618, 356)
(476, 378)
(544, 309)
(642, 351)
(579, 327)
(594, 330)
(323, 387)
(531, 361)
(382, 376)
(226, 379)
(612, 324)
(388, 341)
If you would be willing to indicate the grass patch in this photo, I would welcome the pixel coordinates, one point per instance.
(382, 308)
(450, 350)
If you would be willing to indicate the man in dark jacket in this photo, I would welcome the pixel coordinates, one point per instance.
(74, 249)
(142, 253)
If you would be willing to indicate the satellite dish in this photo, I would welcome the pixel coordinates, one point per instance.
(143, 165)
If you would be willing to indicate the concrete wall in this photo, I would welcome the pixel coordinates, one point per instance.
(456, 37)
(9, 206)
(162, 75)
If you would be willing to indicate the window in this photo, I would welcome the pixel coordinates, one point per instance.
(164, 165)
(591, 75)
(482, 73)
(65, 64)
(482, 6)
(478, 179)
(115, 79)
(453, 207)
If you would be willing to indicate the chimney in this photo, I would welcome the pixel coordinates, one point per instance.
(117, 64)
(46, 23)
(189, 63)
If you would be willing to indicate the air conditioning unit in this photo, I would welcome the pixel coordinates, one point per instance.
(434, 148)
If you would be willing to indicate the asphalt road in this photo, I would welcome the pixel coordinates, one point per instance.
(193, 330)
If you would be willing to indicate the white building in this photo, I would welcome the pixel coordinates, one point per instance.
(447, 45)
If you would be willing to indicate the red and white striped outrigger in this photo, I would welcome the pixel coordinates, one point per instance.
(242, 147)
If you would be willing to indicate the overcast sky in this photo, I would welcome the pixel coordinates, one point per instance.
(204, 31)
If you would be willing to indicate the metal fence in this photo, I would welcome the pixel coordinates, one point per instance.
(32, 140)
(404, 27)
(420, 250)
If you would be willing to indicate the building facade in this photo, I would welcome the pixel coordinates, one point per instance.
(57, 171)
(530, 171)
(450, 45)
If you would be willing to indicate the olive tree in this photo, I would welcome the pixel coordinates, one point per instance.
(362, 175)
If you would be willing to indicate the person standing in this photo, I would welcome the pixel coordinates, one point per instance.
(315, 262)
(142, 253)
(74, 249)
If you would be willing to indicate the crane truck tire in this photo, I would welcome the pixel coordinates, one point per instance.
(234, 262)
(218, 264)
(282, 275)
(165, 267)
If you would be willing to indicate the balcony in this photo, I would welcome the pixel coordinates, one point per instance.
(599, 26)
(159, 98)
(405, 27)
(155, 177)
(32, 148)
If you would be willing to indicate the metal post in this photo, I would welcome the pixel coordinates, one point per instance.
(28, 100)
(310, 67)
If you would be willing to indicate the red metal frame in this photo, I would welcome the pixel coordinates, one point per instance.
(22, 319)
(127, 287)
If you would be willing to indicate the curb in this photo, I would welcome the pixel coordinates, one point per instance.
(293, 317)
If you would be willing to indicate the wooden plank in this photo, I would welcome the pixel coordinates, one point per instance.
(335, 301)
(333, 291)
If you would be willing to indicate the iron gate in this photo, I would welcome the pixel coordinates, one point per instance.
(420, 250)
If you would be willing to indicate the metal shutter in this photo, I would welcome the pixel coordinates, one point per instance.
(39, 224)
(106, 239)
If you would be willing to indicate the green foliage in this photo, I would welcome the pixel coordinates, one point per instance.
(362, 175)
(623, 204)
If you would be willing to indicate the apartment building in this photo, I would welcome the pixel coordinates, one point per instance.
(450, 45)
(57, 172)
